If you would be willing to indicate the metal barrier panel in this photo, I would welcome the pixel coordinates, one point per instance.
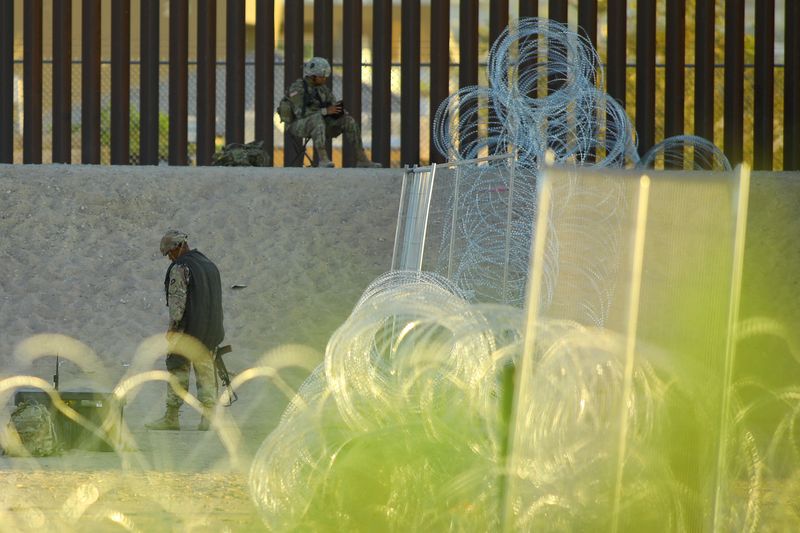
(625, 385)
(457, 219)
(412, 219)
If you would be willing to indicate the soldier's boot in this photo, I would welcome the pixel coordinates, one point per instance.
(362, 161)
(324, 160)
(167, 422)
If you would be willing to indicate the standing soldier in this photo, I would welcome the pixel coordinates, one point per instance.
(194, 298)
(309, 109)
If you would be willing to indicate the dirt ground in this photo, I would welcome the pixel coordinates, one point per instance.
(82, 277)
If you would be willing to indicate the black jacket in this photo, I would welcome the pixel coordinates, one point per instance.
(203, 316)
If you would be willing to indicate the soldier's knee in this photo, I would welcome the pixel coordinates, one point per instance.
(351, 128)
(318, 129)
(316, 121)
(319, 136)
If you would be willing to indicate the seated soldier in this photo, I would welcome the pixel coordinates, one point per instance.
(317, 114)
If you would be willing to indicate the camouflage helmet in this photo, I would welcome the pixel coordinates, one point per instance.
(171, 239)
(317, 66)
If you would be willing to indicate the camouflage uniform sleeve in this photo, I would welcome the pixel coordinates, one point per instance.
(178, 289)
(326, 95)
(296, 96)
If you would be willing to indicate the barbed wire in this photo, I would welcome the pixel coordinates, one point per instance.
(544, 105)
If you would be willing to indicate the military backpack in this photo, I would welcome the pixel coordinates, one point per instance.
(35, 427)
(251, 154)
(284, 110)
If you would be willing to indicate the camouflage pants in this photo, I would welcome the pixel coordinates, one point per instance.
(321, 128)
(204, 377)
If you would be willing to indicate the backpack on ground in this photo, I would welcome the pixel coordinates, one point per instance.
(35, 427)
(251, 154)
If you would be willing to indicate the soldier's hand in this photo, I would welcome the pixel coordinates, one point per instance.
(334, 109)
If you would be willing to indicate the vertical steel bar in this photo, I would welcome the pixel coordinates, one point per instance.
(498, 19)
(468, 67)
(292, 69)
(704, 70)
(381, 81)
(675, 69)
(468, 43)
(646, 73)
(558, 10)
(409, 72)
(587, 20)
(791, 88)
(206, 80)
(120, 81)
(6, 81)
(351, 71)
(734, 80)
(62, 81)
(234, 72)
(587, 27)
(265, 74)
(148, 83)
(616, 56)
(763, 105)
(90, 82)
(440, 67)
(528, 8)
(323, 46)
(178, 81)
(323, 30)
(32, 82)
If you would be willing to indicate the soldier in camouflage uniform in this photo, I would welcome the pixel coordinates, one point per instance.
(194, 298)
(317, 113)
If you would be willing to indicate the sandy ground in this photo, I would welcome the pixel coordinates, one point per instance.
(79, 256)
(79, 251)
